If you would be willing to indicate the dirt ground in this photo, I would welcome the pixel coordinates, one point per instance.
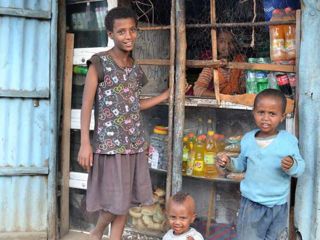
(72, 235)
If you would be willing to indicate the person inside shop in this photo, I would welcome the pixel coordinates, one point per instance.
(269, 157)
(181, 213)
(116, 160)
(231, 81)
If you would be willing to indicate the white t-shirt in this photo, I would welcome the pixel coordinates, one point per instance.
(191, 233)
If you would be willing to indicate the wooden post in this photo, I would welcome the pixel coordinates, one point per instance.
(214, 49)
(65, 139)
(171, 99)
(181, 46)
(298, 36)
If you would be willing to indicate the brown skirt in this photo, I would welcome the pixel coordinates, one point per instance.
(118, 182)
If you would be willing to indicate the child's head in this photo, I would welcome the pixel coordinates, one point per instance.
(181, 212)
(121, 26)
(119, 13)
(269, 111)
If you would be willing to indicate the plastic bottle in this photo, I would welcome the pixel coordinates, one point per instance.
(251, 83)
(191, 158)
(277, 37)
(290, 35)
(198, 167)
(82, 70)
(283, 83)
(185, 155)
(210, 170)
(200, 127)
(158, 155)
(210, 126)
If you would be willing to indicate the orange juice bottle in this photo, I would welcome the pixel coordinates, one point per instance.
(210, 170)
(198, 167)
(277, 37)
(290, 35)
(185, 155)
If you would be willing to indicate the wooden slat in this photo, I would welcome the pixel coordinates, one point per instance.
(151, 28)
(298, 41)
(65, 139)
(262, 66)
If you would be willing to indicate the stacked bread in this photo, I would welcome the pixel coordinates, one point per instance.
(150, 217)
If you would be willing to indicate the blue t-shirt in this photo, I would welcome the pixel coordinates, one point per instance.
(265, 182)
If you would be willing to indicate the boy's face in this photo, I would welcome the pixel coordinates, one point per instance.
(268, 115)
(124, 33)
(180, 216)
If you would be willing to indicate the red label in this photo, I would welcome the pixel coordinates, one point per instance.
(282, 79)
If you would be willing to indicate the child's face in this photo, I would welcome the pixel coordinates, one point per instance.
(180, 216)
(124, 33)
(268, 115)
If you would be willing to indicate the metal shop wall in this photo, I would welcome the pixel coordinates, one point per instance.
(307, 205)
(28, 119)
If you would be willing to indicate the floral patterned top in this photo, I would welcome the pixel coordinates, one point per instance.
(118, 124)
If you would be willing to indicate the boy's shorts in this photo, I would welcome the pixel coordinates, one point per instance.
(256, 221)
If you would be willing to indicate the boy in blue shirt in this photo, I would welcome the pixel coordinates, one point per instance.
(270, 157)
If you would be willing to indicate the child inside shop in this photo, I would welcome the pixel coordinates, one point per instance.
(181, 213)
(116, 161)
(270, 157)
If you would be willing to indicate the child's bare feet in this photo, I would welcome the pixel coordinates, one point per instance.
(95, 235)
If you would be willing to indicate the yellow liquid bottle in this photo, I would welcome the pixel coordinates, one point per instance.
(210, 170)
(191, 159)
(198, 167)
(185, 155)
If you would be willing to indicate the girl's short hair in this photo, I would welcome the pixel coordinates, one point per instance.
(118, 13)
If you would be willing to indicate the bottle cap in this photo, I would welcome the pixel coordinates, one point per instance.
(160, 130)
(210, 133)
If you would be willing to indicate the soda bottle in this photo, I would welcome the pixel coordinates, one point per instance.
(191, 158)
(277, 37)
(82, 70)
(185, 155)
(210, 126)
(210, 170)
(284, 84)
(198, 167)
(290, 35)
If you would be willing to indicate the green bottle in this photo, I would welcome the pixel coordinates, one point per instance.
(82, 70)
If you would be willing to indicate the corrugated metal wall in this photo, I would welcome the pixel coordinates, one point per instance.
(28, 119)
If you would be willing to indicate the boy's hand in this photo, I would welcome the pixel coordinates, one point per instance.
(222, 159)
(286, 163)
(190, 238)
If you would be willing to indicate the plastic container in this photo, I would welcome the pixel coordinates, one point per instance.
(210, 170)
(251, 83)
(290, 35)
(158, 155)
(262, 81)
(277, 37)
(82, 70)
(185, 155)
(198, 167)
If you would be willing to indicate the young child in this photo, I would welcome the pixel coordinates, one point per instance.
(269, 157)
(181, 213)
(116, 161)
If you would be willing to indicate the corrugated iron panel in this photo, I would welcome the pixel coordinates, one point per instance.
(23, 204)
(24, 135)
(25, 57)
(307, 202)
(43, 5)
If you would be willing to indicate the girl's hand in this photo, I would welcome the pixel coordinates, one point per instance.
(286, 163)
(222, 160)
(85, 156)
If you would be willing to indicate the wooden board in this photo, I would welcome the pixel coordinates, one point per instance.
(65, 139)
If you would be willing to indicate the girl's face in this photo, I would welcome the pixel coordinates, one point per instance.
(124, 34)
(180, 217)
(268, 115)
